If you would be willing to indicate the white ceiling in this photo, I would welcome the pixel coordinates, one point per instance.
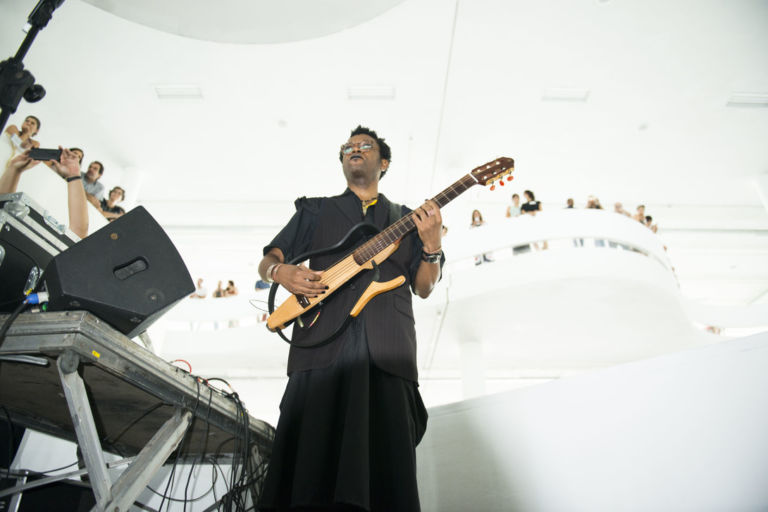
(254, 21)
(467, 81)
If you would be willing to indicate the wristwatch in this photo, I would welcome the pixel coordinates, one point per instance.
(431, 257)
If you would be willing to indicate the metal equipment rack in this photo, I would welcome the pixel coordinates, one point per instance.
(72, 376)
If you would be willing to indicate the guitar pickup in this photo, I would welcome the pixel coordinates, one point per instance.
(303, 301)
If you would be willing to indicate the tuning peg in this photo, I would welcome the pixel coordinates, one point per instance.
(509, 178)
(493, 187)
(501, 182)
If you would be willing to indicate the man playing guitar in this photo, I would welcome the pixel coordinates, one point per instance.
(351, 416)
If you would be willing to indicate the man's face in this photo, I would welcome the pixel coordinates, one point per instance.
(93, 171)
(361, 165)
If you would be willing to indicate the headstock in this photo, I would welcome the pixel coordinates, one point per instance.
(495, 170)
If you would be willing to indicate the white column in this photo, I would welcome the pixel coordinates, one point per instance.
(472, 368)
(761, 185)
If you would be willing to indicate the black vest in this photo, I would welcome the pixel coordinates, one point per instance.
(388, 317)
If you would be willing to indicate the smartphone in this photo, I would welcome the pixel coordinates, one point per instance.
(44, 154)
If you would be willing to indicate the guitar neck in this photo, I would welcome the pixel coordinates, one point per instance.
(406, 224)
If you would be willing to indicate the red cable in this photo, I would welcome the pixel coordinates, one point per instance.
(183, 361)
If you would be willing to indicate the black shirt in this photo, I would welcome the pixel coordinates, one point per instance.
(530, 206)
(295, 238)
(115, 209)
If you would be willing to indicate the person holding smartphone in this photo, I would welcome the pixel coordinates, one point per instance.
(67, 165)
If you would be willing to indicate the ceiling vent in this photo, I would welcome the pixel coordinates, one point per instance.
(178, 92)
(565, 94)
(748, 99)
(371, 92)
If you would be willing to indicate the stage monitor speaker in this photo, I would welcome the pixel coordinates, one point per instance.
(127, 273)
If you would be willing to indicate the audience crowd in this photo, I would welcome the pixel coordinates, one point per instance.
(531, 207)
(17, 160)
(201, 291)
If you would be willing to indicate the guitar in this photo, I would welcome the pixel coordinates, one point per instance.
(377, 249)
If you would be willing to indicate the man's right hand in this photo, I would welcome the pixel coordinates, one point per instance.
(298, 279)
(68, 164)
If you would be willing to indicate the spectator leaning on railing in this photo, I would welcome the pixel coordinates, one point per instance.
(231, 289)
(201, 291)
(593, 203)
(640, 215)
(94, 191)
(650, 225)
(109, 208)
(619, 208)
(531, 205)
(513, 210)
(477, 221)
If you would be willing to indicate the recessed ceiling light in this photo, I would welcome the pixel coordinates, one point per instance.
(178, 92)
(371, 92)
(748, 99)
(565, 94)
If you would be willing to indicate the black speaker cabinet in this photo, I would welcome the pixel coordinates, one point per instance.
(127, 273)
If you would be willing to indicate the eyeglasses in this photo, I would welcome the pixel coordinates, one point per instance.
(349, 147)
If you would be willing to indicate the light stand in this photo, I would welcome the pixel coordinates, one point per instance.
(15, 81)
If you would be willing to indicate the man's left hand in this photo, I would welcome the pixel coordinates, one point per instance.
(21, 163)
(429, 224)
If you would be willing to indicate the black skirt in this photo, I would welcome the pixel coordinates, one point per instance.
(346, 438)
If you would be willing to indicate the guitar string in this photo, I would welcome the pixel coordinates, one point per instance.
(373, 247)
(370, 249)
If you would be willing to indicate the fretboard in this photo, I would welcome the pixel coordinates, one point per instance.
(405, 225)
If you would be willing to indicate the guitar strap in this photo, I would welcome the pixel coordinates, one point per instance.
(395, 212)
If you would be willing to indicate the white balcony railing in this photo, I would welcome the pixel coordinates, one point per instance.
(561, 230)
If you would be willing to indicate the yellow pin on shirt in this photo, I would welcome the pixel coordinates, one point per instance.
(367, 204)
